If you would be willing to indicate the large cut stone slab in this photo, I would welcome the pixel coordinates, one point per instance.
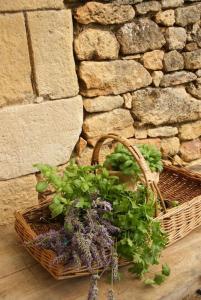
(114, 77)
(10, 5)
(15, 70)
(109, 13)
(51, 34)
(140, 36)
(102, 123)
(38, 133)
(165, 106)
(16, 194)
(97, 44)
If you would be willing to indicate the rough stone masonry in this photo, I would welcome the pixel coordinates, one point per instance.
(149, 54)
(134, 67)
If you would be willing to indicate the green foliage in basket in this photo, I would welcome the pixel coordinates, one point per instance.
(140, 238)
(77, 182)
(122, 160)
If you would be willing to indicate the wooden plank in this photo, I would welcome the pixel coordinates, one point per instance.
(33, 282)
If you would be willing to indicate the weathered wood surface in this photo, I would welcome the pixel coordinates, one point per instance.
(21, 278)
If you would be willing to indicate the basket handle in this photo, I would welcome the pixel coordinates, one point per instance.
(149, 181)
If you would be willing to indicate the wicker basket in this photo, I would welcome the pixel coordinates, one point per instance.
(176, 184)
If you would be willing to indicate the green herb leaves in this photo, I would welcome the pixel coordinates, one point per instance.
(122, 160)
(41, 186)
(139, 237)
(165, 270)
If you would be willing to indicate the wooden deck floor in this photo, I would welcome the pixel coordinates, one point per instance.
(21, 278)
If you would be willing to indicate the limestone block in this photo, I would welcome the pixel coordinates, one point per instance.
(190, 131)
(153, 60)
(141, 133)
(140, 36)
(165, 131)
(165, 106)
(165, 18)
(16, 194)
(112, 121)
(38, 133)
(173, 61)
(172, 3)
(177, 78)
(19, 5)
(191, 150)
(51, 34)
(112, 77)
(103, 103)
(15, 70)
(150, 6)
(176, 38)
(170, 146)
(187, 15)
(97, 44)
(192, 60)
(104, 13)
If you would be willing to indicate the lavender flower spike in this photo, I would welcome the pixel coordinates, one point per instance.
(110, 295)
(93, 290)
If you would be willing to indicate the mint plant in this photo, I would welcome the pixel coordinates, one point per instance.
(122, 160)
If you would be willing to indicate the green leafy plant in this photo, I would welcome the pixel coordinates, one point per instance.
(141, 238)
(122, 160)
(77, 182)
(90, 203)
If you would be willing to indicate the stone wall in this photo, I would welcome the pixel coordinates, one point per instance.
(134, 65)
(139, 68)
(41, 113)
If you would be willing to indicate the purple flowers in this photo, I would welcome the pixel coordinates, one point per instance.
(85, 239)
(55, 240)
(93, 290)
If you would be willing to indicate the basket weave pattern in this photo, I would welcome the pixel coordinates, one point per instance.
(184, 186)
(174, 184)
